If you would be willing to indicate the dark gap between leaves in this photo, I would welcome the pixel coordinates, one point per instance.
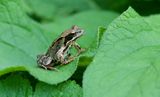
(82, 65)
(35, 17)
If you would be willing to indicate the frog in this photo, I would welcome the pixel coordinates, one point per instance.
(58, 52)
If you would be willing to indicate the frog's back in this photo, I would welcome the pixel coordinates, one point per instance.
(56, 45)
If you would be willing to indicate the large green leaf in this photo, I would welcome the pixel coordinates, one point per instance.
(51, 9)
(15, 86)
(127, 63)
(66, 89)
(21, 40)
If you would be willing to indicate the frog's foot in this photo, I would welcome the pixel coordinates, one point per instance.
(82, 50)
(78, 48)
(47, 67)
(69, 59)
(43, 66)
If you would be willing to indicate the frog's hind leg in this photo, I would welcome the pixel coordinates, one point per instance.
(43, 66)
(52, 68)
(48, 67)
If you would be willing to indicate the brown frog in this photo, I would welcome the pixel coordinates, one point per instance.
(58, 52)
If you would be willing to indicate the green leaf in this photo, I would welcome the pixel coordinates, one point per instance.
(127, 63)
(88, 20)
(21, 40)
(15, 86)
(51, 9)
(66, 89)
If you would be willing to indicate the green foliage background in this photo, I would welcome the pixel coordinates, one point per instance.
(122, 42)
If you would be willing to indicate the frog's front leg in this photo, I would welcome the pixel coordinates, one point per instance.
(78, 48)
(65, 59)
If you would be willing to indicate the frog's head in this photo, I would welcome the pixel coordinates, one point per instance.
(43, 60)
(77, 32)
(74, 33)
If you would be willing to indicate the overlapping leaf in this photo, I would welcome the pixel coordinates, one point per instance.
(16, 86)
(128, 61)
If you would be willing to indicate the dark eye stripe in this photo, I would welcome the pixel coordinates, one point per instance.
(69, 37)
